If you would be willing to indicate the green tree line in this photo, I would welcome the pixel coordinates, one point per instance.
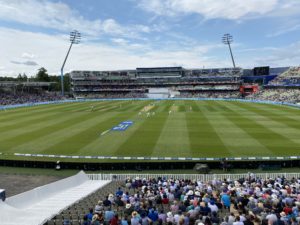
(42, 76)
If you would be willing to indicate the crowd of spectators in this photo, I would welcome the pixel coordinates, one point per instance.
(277, 95)
(111, 95)
(210, 94)
(290, 77)
(247, 201)
(208, 87)
(22, 98)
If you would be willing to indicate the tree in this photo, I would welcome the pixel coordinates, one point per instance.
(42, 75)
(22, 77)
(19, 78)
(25, 78)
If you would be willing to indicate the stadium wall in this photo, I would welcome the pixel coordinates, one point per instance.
(5, 107)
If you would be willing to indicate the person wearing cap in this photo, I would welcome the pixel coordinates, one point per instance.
(213, 207)
(90, 214)
(145, 220)
(153, 215)
(119, 192)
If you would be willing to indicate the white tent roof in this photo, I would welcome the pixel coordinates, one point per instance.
(34, 207)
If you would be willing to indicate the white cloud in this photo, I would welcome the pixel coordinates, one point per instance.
(285, 29)
(59, 16)
(27, 63)
(120, 41)
(49, 52)
(283, 56)
(229, 9)
(27, 55)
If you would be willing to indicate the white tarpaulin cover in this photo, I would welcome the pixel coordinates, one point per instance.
(34, 207)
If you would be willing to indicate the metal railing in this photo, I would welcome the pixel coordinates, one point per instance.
(202, 177)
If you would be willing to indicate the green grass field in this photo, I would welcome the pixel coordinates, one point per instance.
(193, 129)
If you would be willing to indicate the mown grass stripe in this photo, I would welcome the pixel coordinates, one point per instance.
(272, 138)
(13, 134)
(34, 110)
(143, 140)
(175, 126)
(96, 106)
(290, 122)
(112, 140)
(44, 143)
(84, 136)
(237, 136)
(204, 140)
(47, 128)
(31, 119)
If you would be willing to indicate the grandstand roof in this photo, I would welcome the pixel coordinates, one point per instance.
(38, 205)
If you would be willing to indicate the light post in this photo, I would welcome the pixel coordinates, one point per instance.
(75, 37)
(227, 39)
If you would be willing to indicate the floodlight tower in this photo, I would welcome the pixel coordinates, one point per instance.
(227, 39)
(75, 37)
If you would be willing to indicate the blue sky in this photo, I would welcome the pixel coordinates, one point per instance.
(125, 34)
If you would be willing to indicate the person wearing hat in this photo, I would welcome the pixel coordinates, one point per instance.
(135, 218)
(170, 218)
(111, 198)
(128, 209)
(99, 207)
(95, 220)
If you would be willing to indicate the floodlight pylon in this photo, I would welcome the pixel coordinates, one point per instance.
(75, 37)
(227, 39)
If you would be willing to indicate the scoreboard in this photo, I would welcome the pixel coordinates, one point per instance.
(260, 71)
